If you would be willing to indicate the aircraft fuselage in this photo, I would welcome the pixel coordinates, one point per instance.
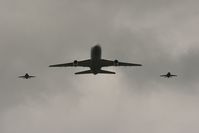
(95, 65)
(26, 76)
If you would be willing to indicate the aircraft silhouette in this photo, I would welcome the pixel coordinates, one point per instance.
(95, 63)
(26, 76)
(168, 75)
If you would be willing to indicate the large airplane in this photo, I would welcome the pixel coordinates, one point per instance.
(95, 63)
(26, 76)
(168, 75)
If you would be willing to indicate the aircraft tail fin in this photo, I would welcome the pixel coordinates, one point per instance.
(106, 72)
(84, 72)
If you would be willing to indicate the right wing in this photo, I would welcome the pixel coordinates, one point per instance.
(84, 63)
(32, 76)
(106, 63)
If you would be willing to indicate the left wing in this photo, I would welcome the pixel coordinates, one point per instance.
(106, 63)
(21, 76)
(84, 63)
(163, 75)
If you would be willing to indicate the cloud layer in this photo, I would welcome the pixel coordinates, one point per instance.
(162, 35)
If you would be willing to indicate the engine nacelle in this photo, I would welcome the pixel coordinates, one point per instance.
(75, 63)
(116, 62)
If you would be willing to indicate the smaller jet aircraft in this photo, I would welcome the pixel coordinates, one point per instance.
(168, 75)
(26, 76)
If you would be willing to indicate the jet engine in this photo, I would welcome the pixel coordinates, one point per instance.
(116, 62)
(75, 63)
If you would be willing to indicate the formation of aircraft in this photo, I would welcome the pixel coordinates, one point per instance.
(95, 63)
(26, 76)
(168, 75)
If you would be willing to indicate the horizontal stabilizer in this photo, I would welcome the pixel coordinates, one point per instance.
(106, 72)
(85, 72)
(101, 71)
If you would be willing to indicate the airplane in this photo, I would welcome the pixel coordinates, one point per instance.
(168, 75)
(95, 63)
(26, 76)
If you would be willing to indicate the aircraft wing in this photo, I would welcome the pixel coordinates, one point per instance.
(32, 76)
(21, 77)
(106, 63)
(174, 75)
(163, 75)
(84, 63)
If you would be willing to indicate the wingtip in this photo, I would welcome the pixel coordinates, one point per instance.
(139, 65)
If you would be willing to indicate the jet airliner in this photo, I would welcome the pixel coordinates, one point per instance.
(95, 63)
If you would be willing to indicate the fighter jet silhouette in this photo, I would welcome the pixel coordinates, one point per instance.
(26, 76)
(95, 63)
(168, 75)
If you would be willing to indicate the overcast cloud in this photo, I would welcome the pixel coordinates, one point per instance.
(160, 34)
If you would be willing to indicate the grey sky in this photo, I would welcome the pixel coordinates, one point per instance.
(160, 34)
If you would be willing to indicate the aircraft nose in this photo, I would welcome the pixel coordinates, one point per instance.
(97, 46)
